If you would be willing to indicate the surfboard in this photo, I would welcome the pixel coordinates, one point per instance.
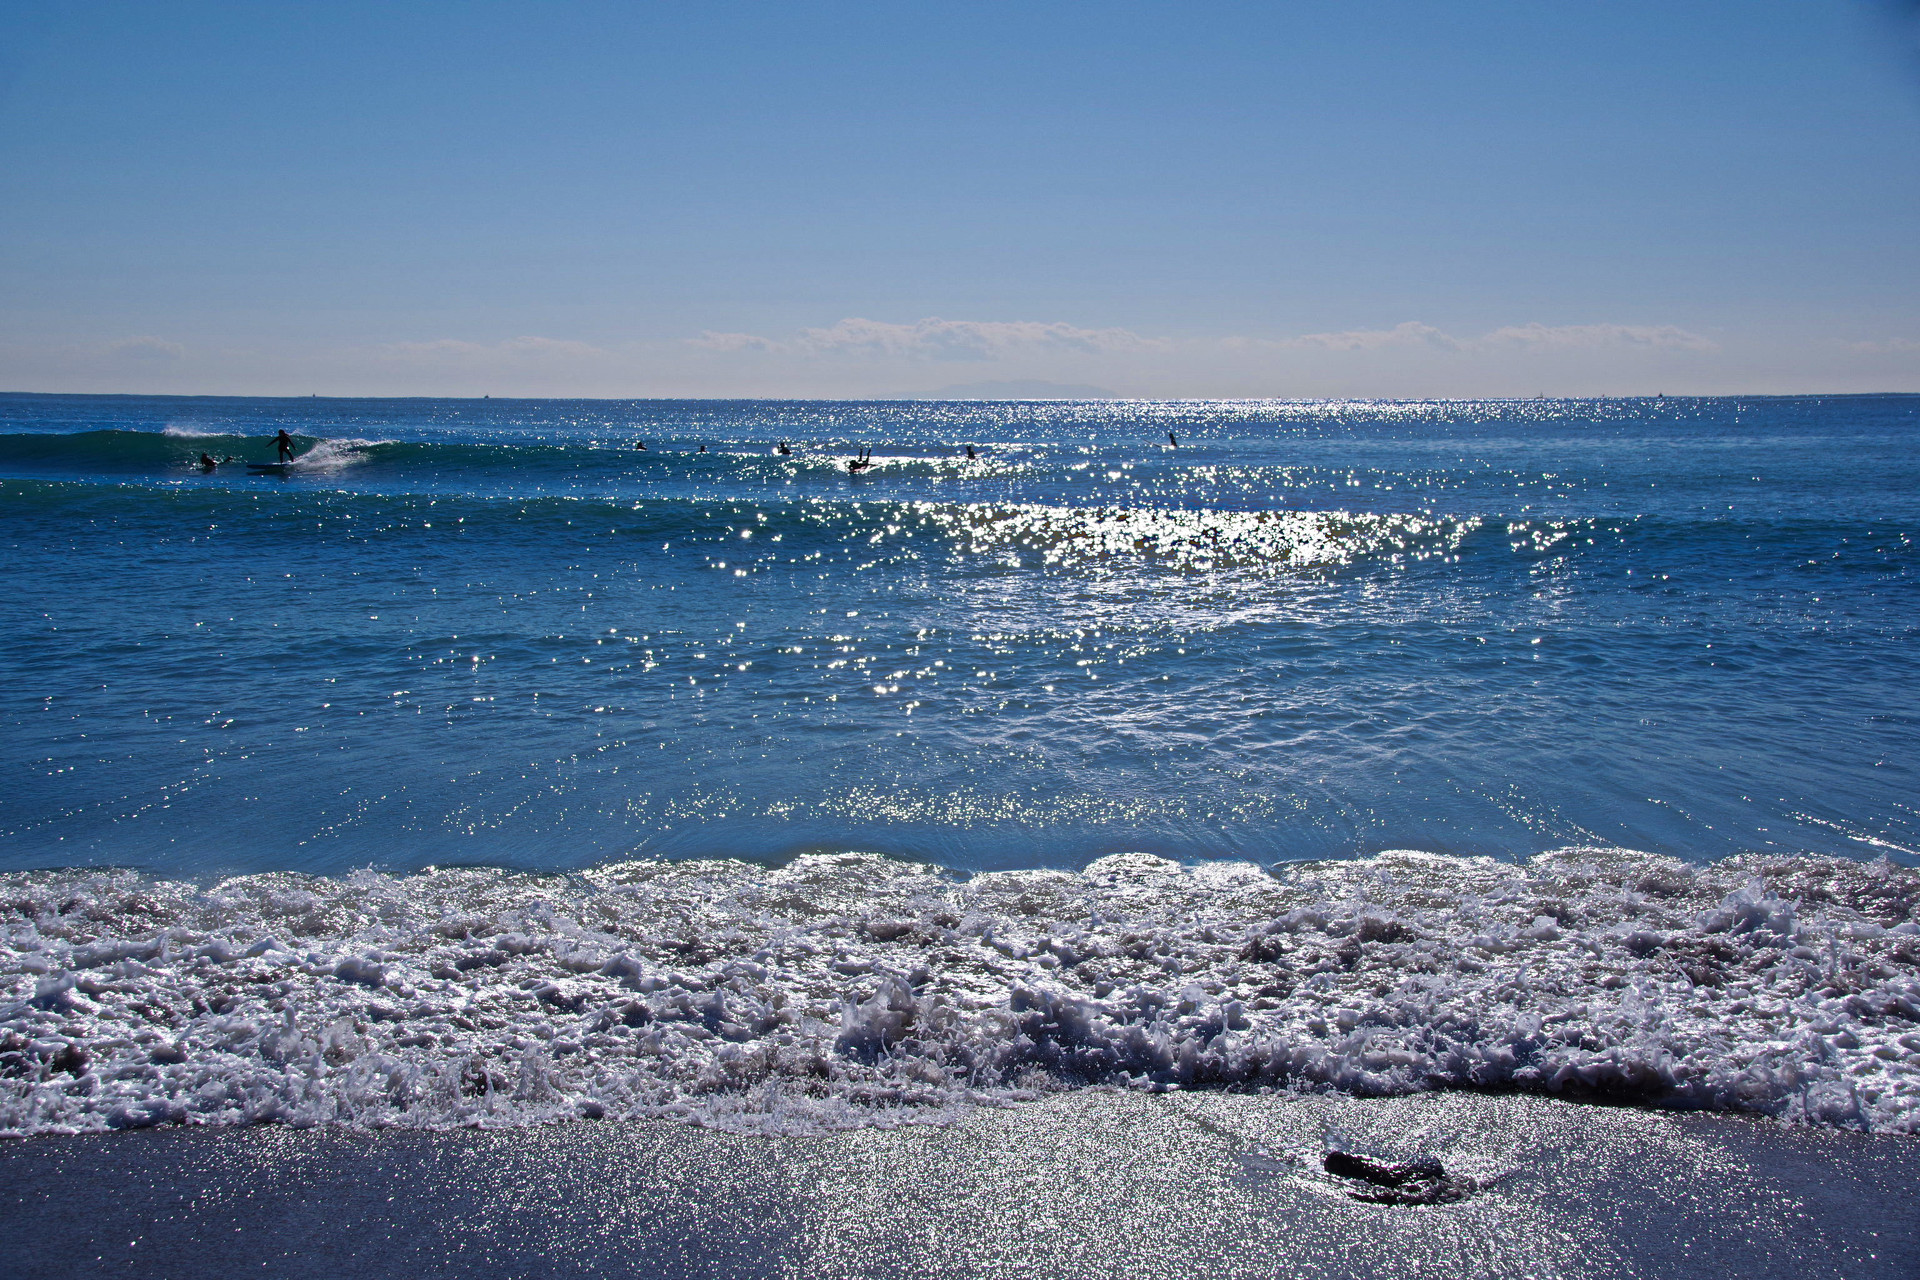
(268, 468)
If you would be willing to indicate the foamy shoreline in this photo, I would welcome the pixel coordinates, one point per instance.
(852, 990)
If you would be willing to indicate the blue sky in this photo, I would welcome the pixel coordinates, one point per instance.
(1199, 198)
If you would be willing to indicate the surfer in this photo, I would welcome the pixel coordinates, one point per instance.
(640, 444)
(782, 450)
(283, 444)
(1172, 441)
(971, 455)
(207, 462)
(703, 448)
(856, 465)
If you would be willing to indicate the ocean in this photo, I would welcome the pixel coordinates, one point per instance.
(487, 764)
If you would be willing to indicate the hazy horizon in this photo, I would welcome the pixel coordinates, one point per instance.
(906, 398)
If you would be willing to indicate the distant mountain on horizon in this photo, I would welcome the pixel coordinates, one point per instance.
(1016, 389)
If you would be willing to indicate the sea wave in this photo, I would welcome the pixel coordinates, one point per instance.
(612, 456)
(852, 989)
(782, 529)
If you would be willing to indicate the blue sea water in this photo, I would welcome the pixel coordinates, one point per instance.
(498, 633)
(485, 768)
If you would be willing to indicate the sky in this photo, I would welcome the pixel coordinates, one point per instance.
(1361, 198)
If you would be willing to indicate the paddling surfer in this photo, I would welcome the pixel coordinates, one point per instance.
(856, 465)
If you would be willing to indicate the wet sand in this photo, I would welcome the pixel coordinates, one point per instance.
(1088, 1184)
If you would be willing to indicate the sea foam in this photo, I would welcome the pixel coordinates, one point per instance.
(853, 989)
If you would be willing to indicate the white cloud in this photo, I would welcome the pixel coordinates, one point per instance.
(1408, 334)
(859, 356)
(1586, 337)
(1525, 337)
(937, 339)
(1891, 347)
(1010, 340)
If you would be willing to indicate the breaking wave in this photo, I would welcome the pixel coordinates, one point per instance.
(852, 989)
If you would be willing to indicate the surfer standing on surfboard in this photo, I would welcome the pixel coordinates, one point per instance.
(284, 444)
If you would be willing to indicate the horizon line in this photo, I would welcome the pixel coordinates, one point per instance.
(928, 398)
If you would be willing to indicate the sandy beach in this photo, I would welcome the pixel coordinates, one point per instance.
(1087, 1184)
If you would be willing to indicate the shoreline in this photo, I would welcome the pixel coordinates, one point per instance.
(849, 989)
(1093, 1183)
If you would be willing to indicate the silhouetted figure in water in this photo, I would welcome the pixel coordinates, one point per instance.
(283, 445)
(856, 465)
(1172, 441)
(971, 455)
(782, 450)
(207, 462)
(703, 448)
